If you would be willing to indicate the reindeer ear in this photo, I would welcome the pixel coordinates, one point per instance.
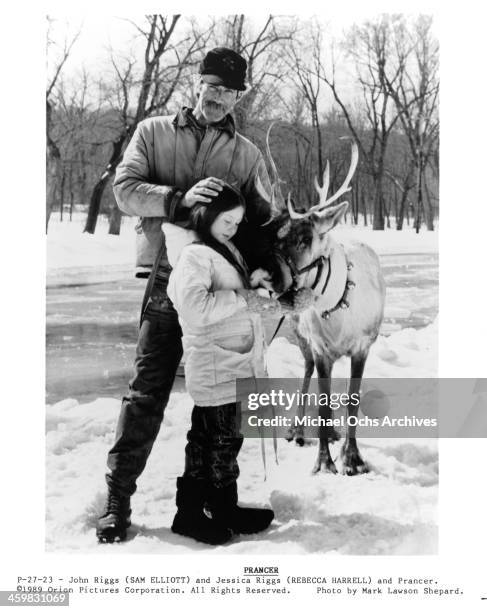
(326, 219)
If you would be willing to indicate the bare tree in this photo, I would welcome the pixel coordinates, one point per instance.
(415, 94)
(53, 154)
(306, 71)
(163, 65)
(404, 182)
(369, 46)
(262, 50)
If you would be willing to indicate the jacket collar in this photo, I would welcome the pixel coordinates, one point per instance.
(185, 118)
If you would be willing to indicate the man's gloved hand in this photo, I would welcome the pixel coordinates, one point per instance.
(256, 302)
(203, 191)
(297, 301)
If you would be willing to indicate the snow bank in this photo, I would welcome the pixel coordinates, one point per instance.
(390, 241)
(69, 247)
(408, 353)
(391, 510)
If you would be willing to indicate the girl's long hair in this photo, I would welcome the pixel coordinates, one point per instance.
(202, 217)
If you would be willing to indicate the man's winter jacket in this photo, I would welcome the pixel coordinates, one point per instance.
(166, 157)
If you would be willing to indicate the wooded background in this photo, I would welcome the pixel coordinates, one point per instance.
(377, 82)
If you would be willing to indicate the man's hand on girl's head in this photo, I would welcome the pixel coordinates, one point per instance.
(202, 191)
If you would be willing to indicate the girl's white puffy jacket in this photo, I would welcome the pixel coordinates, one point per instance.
(222, 340)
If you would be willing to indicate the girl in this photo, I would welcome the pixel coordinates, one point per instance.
(223, 340)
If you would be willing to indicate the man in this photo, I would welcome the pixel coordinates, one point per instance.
(172, 163)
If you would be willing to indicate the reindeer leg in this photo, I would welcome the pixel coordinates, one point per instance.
(297, 432)
(309, 367)
(326, 433)
(352, 461)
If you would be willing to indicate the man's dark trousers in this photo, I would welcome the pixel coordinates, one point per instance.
(158, 353)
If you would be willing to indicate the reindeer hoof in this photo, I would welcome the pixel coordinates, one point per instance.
(353, 465)
(302, 441)
(354, 470)
(328, 466)
(296, 434)
(331, 468)
(290, 435)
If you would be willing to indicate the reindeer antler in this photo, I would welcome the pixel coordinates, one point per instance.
(275, 198)
(292, 213)
(345, 185)
(323, 191)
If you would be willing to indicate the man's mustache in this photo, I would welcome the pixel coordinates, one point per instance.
(214, 105)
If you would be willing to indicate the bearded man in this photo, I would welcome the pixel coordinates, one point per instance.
(171, 163)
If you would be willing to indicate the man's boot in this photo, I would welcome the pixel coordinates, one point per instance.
(222, 502)
(112, 525)
(190, 520)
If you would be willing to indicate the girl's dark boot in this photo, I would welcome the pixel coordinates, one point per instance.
(222, 502)
(190, 520)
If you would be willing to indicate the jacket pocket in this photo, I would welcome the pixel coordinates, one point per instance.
(230, 365)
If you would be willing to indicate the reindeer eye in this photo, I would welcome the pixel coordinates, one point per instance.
(305, 242)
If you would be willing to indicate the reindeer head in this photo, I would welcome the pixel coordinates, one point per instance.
(300, 239)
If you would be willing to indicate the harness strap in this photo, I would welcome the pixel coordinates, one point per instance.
(326, 280)
(281, 321)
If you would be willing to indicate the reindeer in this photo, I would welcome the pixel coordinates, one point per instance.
(347, 305)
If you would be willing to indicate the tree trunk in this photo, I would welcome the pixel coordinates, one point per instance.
(53, 164)
(387, 212)
(320, 147)
(378, 223)
(364, 206)
(431, 216)
(403, 209)
(355, 202)
(95, 202)
(52, 185)
(115, 221)
(428, 217)
(61, 199)
(71, 203)
(97, 194)
(419, 197)
(428, 214)
(242, 111)
(71, 192)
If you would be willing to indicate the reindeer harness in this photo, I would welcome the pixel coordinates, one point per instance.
(332, 282)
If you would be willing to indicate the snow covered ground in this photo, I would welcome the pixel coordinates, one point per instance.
(391, 510)
(69, 247)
